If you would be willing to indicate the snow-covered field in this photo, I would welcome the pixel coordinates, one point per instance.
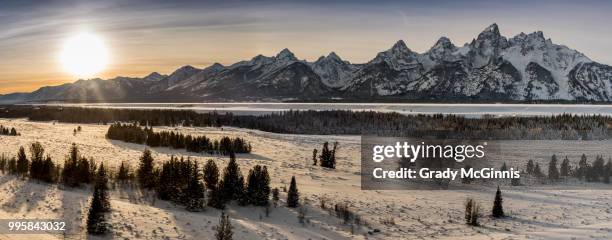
(534, 214)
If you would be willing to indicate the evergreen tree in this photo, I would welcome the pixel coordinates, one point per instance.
(146, 178)
(530, 167)
(275, 196)
(211, 174)
(22, 163)
(498, 209)
(258, 186)
(49, 170)
(195, 191)
(37, 161)
(314, 157)
(553, 171)
(101, 185)
(233, 182)
(469, 204)
(12, 166)
(537, 171)
(215, 198)
(598, 169)
(504, 167)
(124, 173)
(293, 196)
(224, 229)
(565, 168)
(583, 166)
(96, 221)
(70, 170)
(607, 171)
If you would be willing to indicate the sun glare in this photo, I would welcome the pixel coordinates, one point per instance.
(83, 55)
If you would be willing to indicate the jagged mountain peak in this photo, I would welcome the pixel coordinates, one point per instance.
(334, 56)
(285, 54)
(400, 47)
(443, 43)
(331, 57)
(490, 33)
(493, 28)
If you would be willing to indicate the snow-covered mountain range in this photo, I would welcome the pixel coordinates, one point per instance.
(490, 67)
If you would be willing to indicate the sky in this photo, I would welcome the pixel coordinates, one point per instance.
(146, 36)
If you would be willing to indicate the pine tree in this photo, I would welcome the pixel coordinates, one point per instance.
(22, 163)
(504, 167)
(583, 167)
(215, 198)
(537, 171)
(96, 221)
(195, 191)
(224, 229)
(498, 209)
(293, 196)
(530, 167)
(49, 173)
(475, 215)
(598, 169)
(553, 172)
(275, 196)
(607, 171)
(565, 168)
(314, 157)
(101, 185)
(69, 175)
(469, 205)
(211, 174)
(325, 157)
(231, 185)
(36, 157)
(124, 173)
(145, 170)
(258, 186)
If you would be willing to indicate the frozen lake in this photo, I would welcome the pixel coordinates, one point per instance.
(469, 110)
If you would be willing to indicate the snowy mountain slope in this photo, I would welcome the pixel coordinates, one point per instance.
(490, 67)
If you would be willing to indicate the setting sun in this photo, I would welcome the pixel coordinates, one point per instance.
(83, 55)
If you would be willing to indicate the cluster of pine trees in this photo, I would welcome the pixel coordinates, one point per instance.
(340, 122)
(180, 181)
(36, 167)
(597, 171)
(145, 135)
(472, 209)
(77, 169)
(183, 182)
(9, 132)
(327, 159)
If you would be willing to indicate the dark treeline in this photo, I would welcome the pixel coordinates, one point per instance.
(599, 170)
(339, 122)
(8, 132)
(142, 135)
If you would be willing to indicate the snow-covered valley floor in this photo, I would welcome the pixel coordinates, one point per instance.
(533, 214)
